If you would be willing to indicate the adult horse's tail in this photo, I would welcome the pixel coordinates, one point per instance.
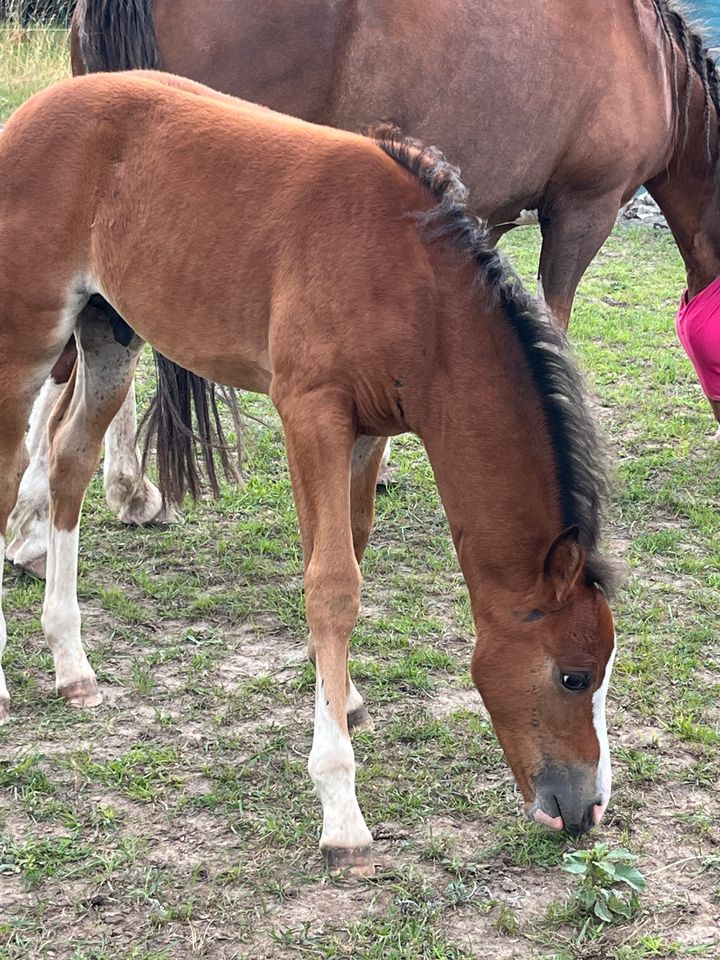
(109, 36)
(184, 443)
(114, 36)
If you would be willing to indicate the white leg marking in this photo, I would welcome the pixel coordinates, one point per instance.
(29, 520)
(133, 497)
(604, 771)
(4, 696)
(61, 611)
(332, 768)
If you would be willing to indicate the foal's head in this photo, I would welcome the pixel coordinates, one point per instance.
(545, 632)
(543, 667)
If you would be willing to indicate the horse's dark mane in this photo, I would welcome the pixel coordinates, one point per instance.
(689, 38)
(583, 479)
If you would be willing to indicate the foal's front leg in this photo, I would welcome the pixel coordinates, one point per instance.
(319, 437)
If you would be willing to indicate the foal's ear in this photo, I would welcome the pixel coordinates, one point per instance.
(563, 565)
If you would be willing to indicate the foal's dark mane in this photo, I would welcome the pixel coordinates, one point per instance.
(583, 479)
(678, 30)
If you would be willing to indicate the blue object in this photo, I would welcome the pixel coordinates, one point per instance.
(707, 13)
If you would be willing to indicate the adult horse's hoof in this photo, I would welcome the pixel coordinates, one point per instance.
(28, 550)
(4, 710)
(36, 567)
(359, 720)
(349, 861)
(83, 694)
(138, 505)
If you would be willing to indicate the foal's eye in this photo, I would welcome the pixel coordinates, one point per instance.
(577, 680)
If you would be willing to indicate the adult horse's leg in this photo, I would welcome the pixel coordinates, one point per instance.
(573, 231)
(319, 436)
(134, 498)
(30, 517)
(91, 399)
(127, 491)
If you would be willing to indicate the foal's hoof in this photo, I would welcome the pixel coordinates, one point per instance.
(4, 710)
(349, 861)
(83, 694)
(360, 721)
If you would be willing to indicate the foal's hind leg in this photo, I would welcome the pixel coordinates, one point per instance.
(102, 377)
(14, 411)
(319, 435)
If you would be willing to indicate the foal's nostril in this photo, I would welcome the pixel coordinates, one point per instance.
(580, 821)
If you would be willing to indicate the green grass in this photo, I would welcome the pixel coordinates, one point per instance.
(178, 820)
(29, 60)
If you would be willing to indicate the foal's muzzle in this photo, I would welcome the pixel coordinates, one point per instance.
(567, 798)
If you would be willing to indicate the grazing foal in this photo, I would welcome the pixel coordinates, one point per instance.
(357, 292)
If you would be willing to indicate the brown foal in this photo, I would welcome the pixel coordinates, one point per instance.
(564, 106)
(359, 293)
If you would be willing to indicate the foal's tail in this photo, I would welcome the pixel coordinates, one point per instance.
(114, 36)
(185, 451)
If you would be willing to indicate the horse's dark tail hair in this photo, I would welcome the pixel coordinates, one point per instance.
(186, 452)
(116, 36)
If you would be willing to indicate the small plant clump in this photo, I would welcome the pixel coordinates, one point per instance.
(604, 876)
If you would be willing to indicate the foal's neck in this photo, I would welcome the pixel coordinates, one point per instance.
(486, 435)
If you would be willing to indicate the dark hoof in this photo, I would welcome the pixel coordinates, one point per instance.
(349, 861)
(360, 720)
(83, 694)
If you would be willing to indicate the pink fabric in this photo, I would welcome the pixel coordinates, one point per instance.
(698, 327)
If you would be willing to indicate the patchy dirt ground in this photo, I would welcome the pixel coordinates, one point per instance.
(178, 820)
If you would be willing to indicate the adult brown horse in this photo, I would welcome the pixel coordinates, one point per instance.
(359, 325)
(566, 106)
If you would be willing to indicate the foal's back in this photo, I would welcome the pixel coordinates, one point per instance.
(194, 214)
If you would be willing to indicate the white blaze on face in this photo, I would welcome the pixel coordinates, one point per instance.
(604, 772)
